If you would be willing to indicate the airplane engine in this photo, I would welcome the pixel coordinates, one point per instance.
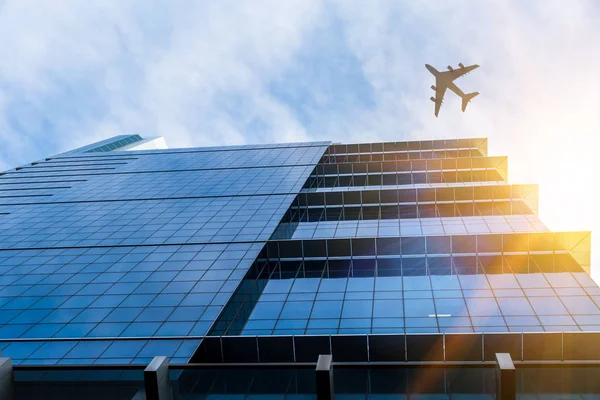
(461, 65)
(433, 87)
(432, 99)
(450, 68)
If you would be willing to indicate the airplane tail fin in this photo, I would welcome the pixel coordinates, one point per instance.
(467, 98)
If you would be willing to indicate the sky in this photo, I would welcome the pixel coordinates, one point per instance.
(234, 72)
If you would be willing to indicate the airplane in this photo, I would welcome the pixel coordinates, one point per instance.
(444, 80)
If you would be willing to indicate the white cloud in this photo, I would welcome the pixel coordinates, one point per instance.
(96, 69)
(538, 84)
(74, 72)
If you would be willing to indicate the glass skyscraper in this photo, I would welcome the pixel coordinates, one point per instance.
(421, 251)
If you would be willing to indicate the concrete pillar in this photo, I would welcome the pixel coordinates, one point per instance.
(156, 380)
(324, 373)
(6, 379)
(506, 385)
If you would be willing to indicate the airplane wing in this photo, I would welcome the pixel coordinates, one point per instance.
(439, 98)
(458, 72)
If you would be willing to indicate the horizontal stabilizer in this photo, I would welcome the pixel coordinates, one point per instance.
(466, 98)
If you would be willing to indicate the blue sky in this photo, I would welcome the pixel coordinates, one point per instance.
(230, 72)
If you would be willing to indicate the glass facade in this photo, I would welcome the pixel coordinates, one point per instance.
(370, 252)
(299, 384)
(397, 238)
(114, 257)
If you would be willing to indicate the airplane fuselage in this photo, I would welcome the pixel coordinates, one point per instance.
(442, 81)
(450, 85)
(445, 80)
